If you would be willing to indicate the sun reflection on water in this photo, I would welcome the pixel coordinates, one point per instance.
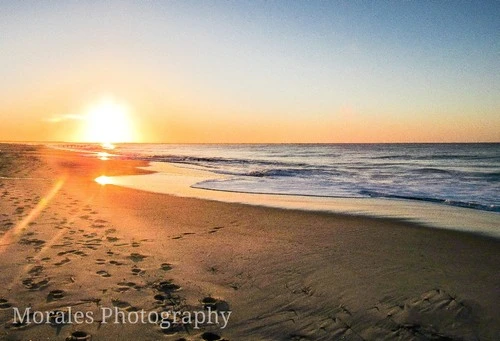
(103, 180)
(103, 156)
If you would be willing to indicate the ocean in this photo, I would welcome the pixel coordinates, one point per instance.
(463, 175)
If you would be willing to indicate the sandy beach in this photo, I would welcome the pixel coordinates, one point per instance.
(69, 244)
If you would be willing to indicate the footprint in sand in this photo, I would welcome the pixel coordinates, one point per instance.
(62, 253)
(58, 246)
(166, 267)
(137, 271)
(160, 298)
(33, 284)
(166, 287)
(74, 252)
(4, 304)
(214, 304)
(33, 242)
(36, 270)
(20, 324)
(115, 262)
(215, 229)
(121, 289)
(100, 261)
(209, 302)
(103, 273)
(137, 257)
(209, 336)
(55, 295)
(125, 286)
(123, 305)
(99, 223)
(79, 335)
(91, 245)
(64, 261)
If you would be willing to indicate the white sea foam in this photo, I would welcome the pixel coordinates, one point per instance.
(179, 181)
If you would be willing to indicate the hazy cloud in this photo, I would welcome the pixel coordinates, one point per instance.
(62, 118)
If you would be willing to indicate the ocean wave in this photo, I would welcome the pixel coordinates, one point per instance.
(286, 172)
(430, 170)
(199, 160)
(457, 203)
(463, 175)
(437, 157)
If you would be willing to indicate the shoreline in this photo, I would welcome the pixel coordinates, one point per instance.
(283, 273)
(172, 179)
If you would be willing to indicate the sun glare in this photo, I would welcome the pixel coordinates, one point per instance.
(108, 122)
(103, 180)
(103, 156)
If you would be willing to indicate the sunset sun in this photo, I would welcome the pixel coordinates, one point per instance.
(108, 122)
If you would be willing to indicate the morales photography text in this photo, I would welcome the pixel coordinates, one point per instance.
(105, 315)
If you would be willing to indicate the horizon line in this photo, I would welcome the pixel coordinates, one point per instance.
(255, 143)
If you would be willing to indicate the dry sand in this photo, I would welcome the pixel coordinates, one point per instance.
(70, 243)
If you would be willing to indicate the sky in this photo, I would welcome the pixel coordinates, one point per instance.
(250, 71)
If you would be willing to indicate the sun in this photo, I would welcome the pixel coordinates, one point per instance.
(108, 122)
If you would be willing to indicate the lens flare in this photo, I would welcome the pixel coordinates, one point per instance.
(11, 235)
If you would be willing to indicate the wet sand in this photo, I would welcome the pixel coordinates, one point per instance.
(68, 242)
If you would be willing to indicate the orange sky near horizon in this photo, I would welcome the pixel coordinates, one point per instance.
(210, 72)
(178, 129)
